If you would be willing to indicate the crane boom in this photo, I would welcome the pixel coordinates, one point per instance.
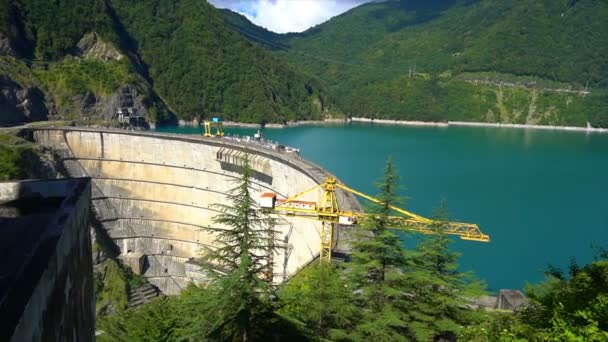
(372, 199)
(327, 211)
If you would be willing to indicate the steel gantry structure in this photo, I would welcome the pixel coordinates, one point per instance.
(328, 212)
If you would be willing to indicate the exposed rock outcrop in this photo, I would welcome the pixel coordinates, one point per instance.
(125, 101)
(91, 46)
(6, 48)
(20, 104)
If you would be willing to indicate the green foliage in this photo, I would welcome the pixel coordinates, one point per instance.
(154, 321)
(406, 295)
(244, 244)
(113, 280)
(219, 312)
(195, 62)
(561, 308)
(10, 158)
(492, 327)
(376, 270)
(202, 67)
(396, 60)
(16, 70)
(574, 309)
(319, 296)
(406, 60)
(68, 80)
(73, 76)
(111, 288)
(49, 30)
(18, 159)
(45, 34)
(240, 269)
(438, 291)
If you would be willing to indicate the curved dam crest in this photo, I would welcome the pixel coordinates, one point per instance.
(154, 193)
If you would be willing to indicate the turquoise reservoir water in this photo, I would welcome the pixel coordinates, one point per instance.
(541, 195)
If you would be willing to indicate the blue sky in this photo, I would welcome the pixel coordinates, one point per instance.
(288, 15)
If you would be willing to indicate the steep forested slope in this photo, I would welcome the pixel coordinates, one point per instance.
(507, 61)
(73, 59)
(200, 66)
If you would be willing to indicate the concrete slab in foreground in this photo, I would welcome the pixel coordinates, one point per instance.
(46, 272)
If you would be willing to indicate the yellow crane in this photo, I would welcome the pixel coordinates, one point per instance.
(218, 127)
(328, 212)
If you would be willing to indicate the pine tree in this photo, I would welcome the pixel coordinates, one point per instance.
(239, 265)
(319, 297)
(376, 269)
(438, 291)
(244, 240)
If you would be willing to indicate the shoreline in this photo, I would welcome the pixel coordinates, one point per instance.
(270, 125)
(328, 122)
(526, 126)
(400, 122)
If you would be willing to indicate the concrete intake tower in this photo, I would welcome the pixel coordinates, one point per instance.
(153, 195)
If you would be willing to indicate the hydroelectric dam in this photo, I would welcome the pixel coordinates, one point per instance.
(153, 195)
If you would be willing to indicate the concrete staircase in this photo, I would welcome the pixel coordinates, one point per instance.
(142, 295)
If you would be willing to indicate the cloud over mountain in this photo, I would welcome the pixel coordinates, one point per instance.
(283, 16)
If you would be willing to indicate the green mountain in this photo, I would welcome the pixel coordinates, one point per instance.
(166, 59)
(525, 61)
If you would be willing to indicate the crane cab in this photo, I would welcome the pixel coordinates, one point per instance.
(268, 200)
(346, 220)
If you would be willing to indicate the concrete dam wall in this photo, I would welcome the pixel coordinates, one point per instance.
(154, 194)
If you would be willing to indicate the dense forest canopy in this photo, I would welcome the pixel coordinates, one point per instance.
(183, 51)
(497, 61)
(535, 62)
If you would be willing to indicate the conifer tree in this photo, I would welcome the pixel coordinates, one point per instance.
(438, 291)
(244, 237)
(319, 297)
(239, 265)
(376, 269)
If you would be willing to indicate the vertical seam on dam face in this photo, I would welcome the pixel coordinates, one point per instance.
(102, 146)
(154, 195)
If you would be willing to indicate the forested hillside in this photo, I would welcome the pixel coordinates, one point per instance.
(76, 59)
(537, 62)
(68, 59)
(540, 62)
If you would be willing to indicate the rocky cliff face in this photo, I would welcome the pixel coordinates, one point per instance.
(125, 100)
(6, 48)
(20, 104)
(91, 46)
(94, 81)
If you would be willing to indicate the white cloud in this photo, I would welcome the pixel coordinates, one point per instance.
(288, 15)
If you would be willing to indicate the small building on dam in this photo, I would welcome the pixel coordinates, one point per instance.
(153, 194)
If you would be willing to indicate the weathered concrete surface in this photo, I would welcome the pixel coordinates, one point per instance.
(46, 274)
(154, 194)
